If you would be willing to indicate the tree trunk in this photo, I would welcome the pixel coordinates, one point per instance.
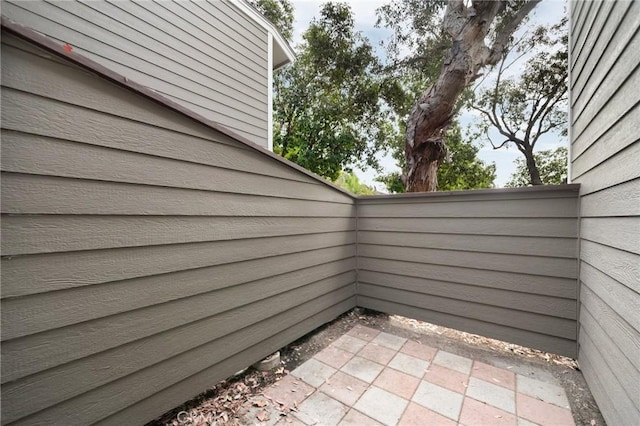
(431, 116)
(532, 167)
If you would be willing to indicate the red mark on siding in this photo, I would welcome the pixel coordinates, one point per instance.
(68, 48)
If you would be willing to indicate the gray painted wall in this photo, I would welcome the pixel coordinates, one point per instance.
(605, 159)
(500, 263)
(146, 256)
(206, 55)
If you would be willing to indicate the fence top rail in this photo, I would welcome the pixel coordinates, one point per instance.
(536, 191)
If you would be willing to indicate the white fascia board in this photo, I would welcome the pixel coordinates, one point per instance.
(270, 93)
(281, 48)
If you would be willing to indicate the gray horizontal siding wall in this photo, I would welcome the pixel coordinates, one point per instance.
(497, 263)
(605, 160)
(206, 55)
(146, 256)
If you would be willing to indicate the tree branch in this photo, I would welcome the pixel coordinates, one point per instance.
(502, 38)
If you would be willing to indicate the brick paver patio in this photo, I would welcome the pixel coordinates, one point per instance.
(368, 377)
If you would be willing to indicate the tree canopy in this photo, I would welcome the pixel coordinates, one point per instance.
(552, 167)
(472, 36)
(350, 182)
(521, 109)
(330, 106)
(279, 12)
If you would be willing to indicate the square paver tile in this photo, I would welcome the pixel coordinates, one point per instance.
(489, 393)
(314, 372)
(362, 368)
(321, 409)
(447, 378)
(491, 374)
(417, 415)
(377, 353)
(333, 356)
(453, 361)
(389, 340)
(356, 418)
(438, 399)
(289, 391)
(542, 413)
(523, 422)
(543, 391)
(418, 350)
(381, 405)
(344, 387)
(408, 364)
(363, 333)
(396, 382)
(475, 413)
(349, 343)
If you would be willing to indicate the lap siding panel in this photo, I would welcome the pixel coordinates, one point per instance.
(145, 255)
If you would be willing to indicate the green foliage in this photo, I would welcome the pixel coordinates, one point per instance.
(279, 12)
(552, 165)
(522, 109)
(350, 182)
(329, 108)
(463, 170)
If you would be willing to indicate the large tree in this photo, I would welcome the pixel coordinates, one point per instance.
(329, 106)
(521, 109)
(279, 12)
(551, 164)
(475, 35)
(461, 170)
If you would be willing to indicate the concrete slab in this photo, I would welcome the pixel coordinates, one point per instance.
(321, 409)
(381, 405)
(314, 372)
(349, 343)
(543, 391)
(410, 365)
(453, 361)
(438, 399)
(389, 341)
(362, 368)
(492, 394)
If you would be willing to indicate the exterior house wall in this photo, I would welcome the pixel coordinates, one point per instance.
(146, 256)
(500, 263)
(208, 56)
(605, 153)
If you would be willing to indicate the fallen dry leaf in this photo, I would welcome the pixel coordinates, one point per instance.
(260, 403)
(263, 415)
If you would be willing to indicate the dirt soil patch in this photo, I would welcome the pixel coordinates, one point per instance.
(221, 405)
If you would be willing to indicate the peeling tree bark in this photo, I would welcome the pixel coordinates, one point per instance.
(431, 116)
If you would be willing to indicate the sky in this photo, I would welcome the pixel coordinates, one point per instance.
(548, 11)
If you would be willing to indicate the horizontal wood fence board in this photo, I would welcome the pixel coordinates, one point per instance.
(619, 200)
(114, 132)
(620, 232)
(538, 227)
(563, 207)
(48, 349)
(622, 266)
(545, 342)
(535, 265)
(531, 246)
(32, 274)
(55, 233)
(537, 303)
(618, 363)
(537, 284)
(507, 316)
(166, 399)
(37, 313)
(105, 400)
(37, 155)
(32, 194)
(43, 390)
(617, 402)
